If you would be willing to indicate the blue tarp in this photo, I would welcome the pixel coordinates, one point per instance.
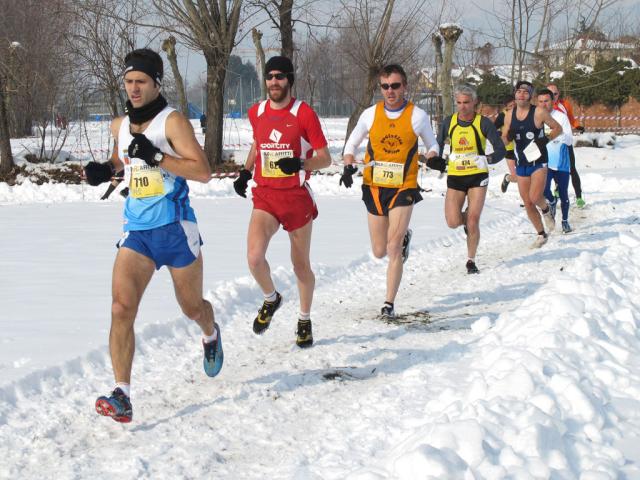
(194, 111)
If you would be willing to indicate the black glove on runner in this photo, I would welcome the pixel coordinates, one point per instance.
(541, 142)
(491, 160)
(142, 148)
(97, 173)
(240, 183)
(347, 175)
(290, 165)
(437, 163)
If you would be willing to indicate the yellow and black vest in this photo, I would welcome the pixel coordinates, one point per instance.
(466, 144)
(391, 159)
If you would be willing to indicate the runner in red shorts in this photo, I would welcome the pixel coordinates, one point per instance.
(286, 133)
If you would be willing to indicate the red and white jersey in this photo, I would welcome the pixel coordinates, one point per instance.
(293, 131)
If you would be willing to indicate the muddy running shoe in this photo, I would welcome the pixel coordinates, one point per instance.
(117, 406)
(540, 240)
(566, 228)
(505, 183)
(549, 220)
(471, 267)
(406, 245)
(387, 311)
(265, 314)
(213, 355)
(580, 203)
(304, 335)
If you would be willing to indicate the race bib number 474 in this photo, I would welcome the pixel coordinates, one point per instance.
(146, 181)
(269, 159)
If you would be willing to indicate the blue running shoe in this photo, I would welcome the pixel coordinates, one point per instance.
(116, 406)
(213, 355)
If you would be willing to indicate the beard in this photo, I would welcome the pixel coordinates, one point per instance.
(277, 95)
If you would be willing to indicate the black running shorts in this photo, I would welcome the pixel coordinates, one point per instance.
(464, 182)
(379, 200)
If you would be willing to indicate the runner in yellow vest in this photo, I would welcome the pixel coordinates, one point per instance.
(390, 177)
(468, 167)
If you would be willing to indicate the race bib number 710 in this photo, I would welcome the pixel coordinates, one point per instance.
(146, 181)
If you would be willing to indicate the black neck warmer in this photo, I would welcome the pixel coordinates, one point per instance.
(138, 116)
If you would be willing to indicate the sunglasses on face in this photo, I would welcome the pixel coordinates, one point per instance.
(392, 86)
(277, 76)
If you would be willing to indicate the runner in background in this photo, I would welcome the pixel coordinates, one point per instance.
(466, 133)
(525, 126)
(564, 106)
(508, 103)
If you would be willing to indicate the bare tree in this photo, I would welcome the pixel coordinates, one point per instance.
(280, 14)
(370, 42)
(103, 32)
(169, 46)
(256, 35)
(6, 156)
(209, 26)
(450, 33)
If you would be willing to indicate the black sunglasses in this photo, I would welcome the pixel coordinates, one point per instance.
(392, 86)
(277, 76)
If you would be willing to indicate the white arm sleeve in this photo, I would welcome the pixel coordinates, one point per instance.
(421, 123)
(360, 131)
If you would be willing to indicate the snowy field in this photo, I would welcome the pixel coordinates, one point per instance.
(529, 370)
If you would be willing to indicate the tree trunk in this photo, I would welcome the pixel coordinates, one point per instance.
(169, 46)
(216, 73)
(257, 41)
(450, 34)
(436, 39)
(286, 28)
(6, 158)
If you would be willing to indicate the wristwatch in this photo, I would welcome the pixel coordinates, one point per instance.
(158, 157)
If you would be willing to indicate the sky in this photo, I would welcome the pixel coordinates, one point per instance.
(476, 17)
(528, 370)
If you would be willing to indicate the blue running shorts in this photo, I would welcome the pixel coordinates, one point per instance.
(529, 169)
(175, 245)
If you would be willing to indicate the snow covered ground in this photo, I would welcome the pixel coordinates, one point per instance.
(529, 370)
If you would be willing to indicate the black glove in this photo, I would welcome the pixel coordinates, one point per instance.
(580, 129)
(240, 183)
(290, 165)
(491, 160)
(437, 163)
(511, 135)
(97, 173)
(142, 148)
(541, 142)
(347, 175)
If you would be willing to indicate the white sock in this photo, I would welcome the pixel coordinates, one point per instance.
(210, 338)
(304, 316)
(271, 297)
(472, 259)
(125, 387)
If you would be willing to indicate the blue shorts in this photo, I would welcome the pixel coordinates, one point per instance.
(528, 169)
(175, 245)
